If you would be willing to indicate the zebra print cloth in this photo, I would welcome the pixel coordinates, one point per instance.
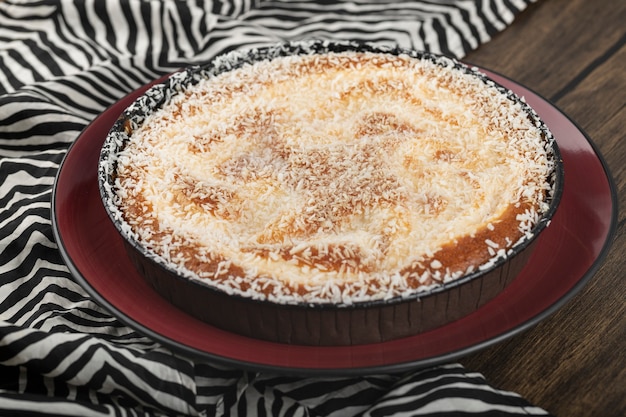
(62, 62)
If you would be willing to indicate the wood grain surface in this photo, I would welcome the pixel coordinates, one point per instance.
(572, 53)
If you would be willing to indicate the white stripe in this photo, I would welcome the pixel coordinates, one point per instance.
(468, 405)
(64, 408)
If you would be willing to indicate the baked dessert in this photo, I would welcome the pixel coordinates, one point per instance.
(326, 177)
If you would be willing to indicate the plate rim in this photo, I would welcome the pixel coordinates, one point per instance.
(343, 371)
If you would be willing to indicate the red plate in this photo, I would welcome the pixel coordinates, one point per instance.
(568, 253)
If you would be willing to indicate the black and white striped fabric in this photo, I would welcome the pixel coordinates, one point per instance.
(62, 62)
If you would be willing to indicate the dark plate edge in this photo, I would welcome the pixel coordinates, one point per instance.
(388, 368)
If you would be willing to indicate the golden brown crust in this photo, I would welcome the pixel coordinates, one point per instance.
(342, 198)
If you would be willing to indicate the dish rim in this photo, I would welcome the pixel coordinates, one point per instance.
(347, 370)
(159, 93)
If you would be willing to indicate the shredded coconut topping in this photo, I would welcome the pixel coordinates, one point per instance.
(337, 177)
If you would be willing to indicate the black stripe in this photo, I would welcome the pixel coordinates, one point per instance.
(442, 37)
(242, 406)
(133, 29)
(363, 397)
(9, 378)
(494, 9)
(49, 128)
(512, 7)
(10, 350)
(489, 26)
(66, 32)
(93, 92)
(491, 401)
(464, 43)
(113, 372)
(25, 113)
(32, 194)
(466, 18)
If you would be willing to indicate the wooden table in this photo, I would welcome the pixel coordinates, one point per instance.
(572, 53)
